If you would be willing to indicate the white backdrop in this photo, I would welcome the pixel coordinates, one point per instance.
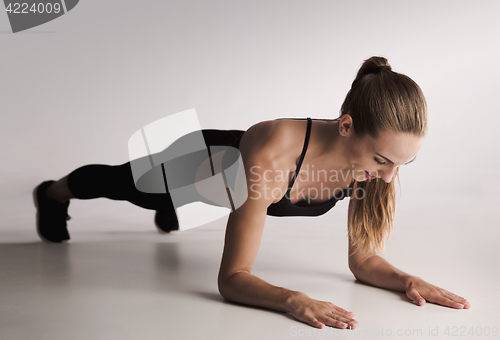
(73, 90)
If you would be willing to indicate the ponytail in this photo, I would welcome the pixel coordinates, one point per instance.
(380, 100)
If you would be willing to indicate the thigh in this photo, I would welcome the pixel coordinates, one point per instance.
(181, 168)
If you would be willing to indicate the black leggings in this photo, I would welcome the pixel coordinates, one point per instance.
(116, 182)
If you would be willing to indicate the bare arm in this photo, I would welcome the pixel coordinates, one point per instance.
(372, 268)
(236, 283)
(243, 236)
(376, 271)
(245, 227)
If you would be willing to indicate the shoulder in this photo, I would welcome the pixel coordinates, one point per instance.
(274, 140)
(269, 150)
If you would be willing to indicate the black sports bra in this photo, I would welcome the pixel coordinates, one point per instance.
(286, 208)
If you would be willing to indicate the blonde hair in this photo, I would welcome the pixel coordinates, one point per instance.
(380, 100)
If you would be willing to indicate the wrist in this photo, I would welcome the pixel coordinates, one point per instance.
(292, 300)
(407, 280)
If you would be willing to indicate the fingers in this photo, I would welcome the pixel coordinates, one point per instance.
(322, 314)
(415, 297)
(335, 318)
(445, 301)
(435, 294)
(338, 322)
(466, 304)
(445, 298)
(439, 296)
(341, 317)
(315, 322)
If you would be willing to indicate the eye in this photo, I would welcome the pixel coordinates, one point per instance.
(378, 162)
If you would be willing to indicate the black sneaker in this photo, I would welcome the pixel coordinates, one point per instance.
(51, 216)
(166, 221)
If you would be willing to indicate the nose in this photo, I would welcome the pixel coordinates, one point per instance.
(388, 174)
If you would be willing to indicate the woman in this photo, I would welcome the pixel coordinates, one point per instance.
(382, 125)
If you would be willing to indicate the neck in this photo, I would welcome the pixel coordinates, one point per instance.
(333, 148)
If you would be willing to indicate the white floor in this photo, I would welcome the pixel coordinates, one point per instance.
(119, 279)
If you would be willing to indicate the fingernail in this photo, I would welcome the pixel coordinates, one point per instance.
(421, 302)
(466, 303)
(343, 324)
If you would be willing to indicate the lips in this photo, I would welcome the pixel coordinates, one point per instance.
(368, 175)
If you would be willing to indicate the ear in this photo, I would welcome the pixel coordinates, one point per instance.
(345, 125)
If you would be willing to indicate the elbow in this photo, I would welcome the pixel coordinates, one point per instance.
(227, 287)
(359, 268)
(222, 286)
(353, 267)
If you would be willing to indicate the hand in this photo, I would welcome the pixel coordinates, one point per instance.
(320, 313)
(419, 291)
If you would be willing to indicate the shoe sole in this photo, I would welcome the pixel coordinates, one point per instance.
(162, 231)
(35, 200)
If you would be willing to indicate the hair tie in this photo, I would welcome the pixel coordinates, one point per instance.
(383, 67)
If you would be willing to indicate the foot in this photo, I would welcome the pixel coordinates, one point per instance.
(166, 221)
(51, 216)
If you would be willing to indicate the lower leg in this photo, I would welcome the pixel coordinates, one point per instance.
(108, 181)
(59, 191)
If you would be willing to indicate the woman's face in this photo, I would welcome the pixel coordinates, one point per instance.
(381, 157)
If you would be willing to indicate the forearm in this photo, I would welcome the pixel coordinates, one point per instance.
(245, 288)
(380, 273)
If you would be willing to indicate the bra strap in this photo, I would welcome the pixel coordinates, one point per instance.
(304, 149)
